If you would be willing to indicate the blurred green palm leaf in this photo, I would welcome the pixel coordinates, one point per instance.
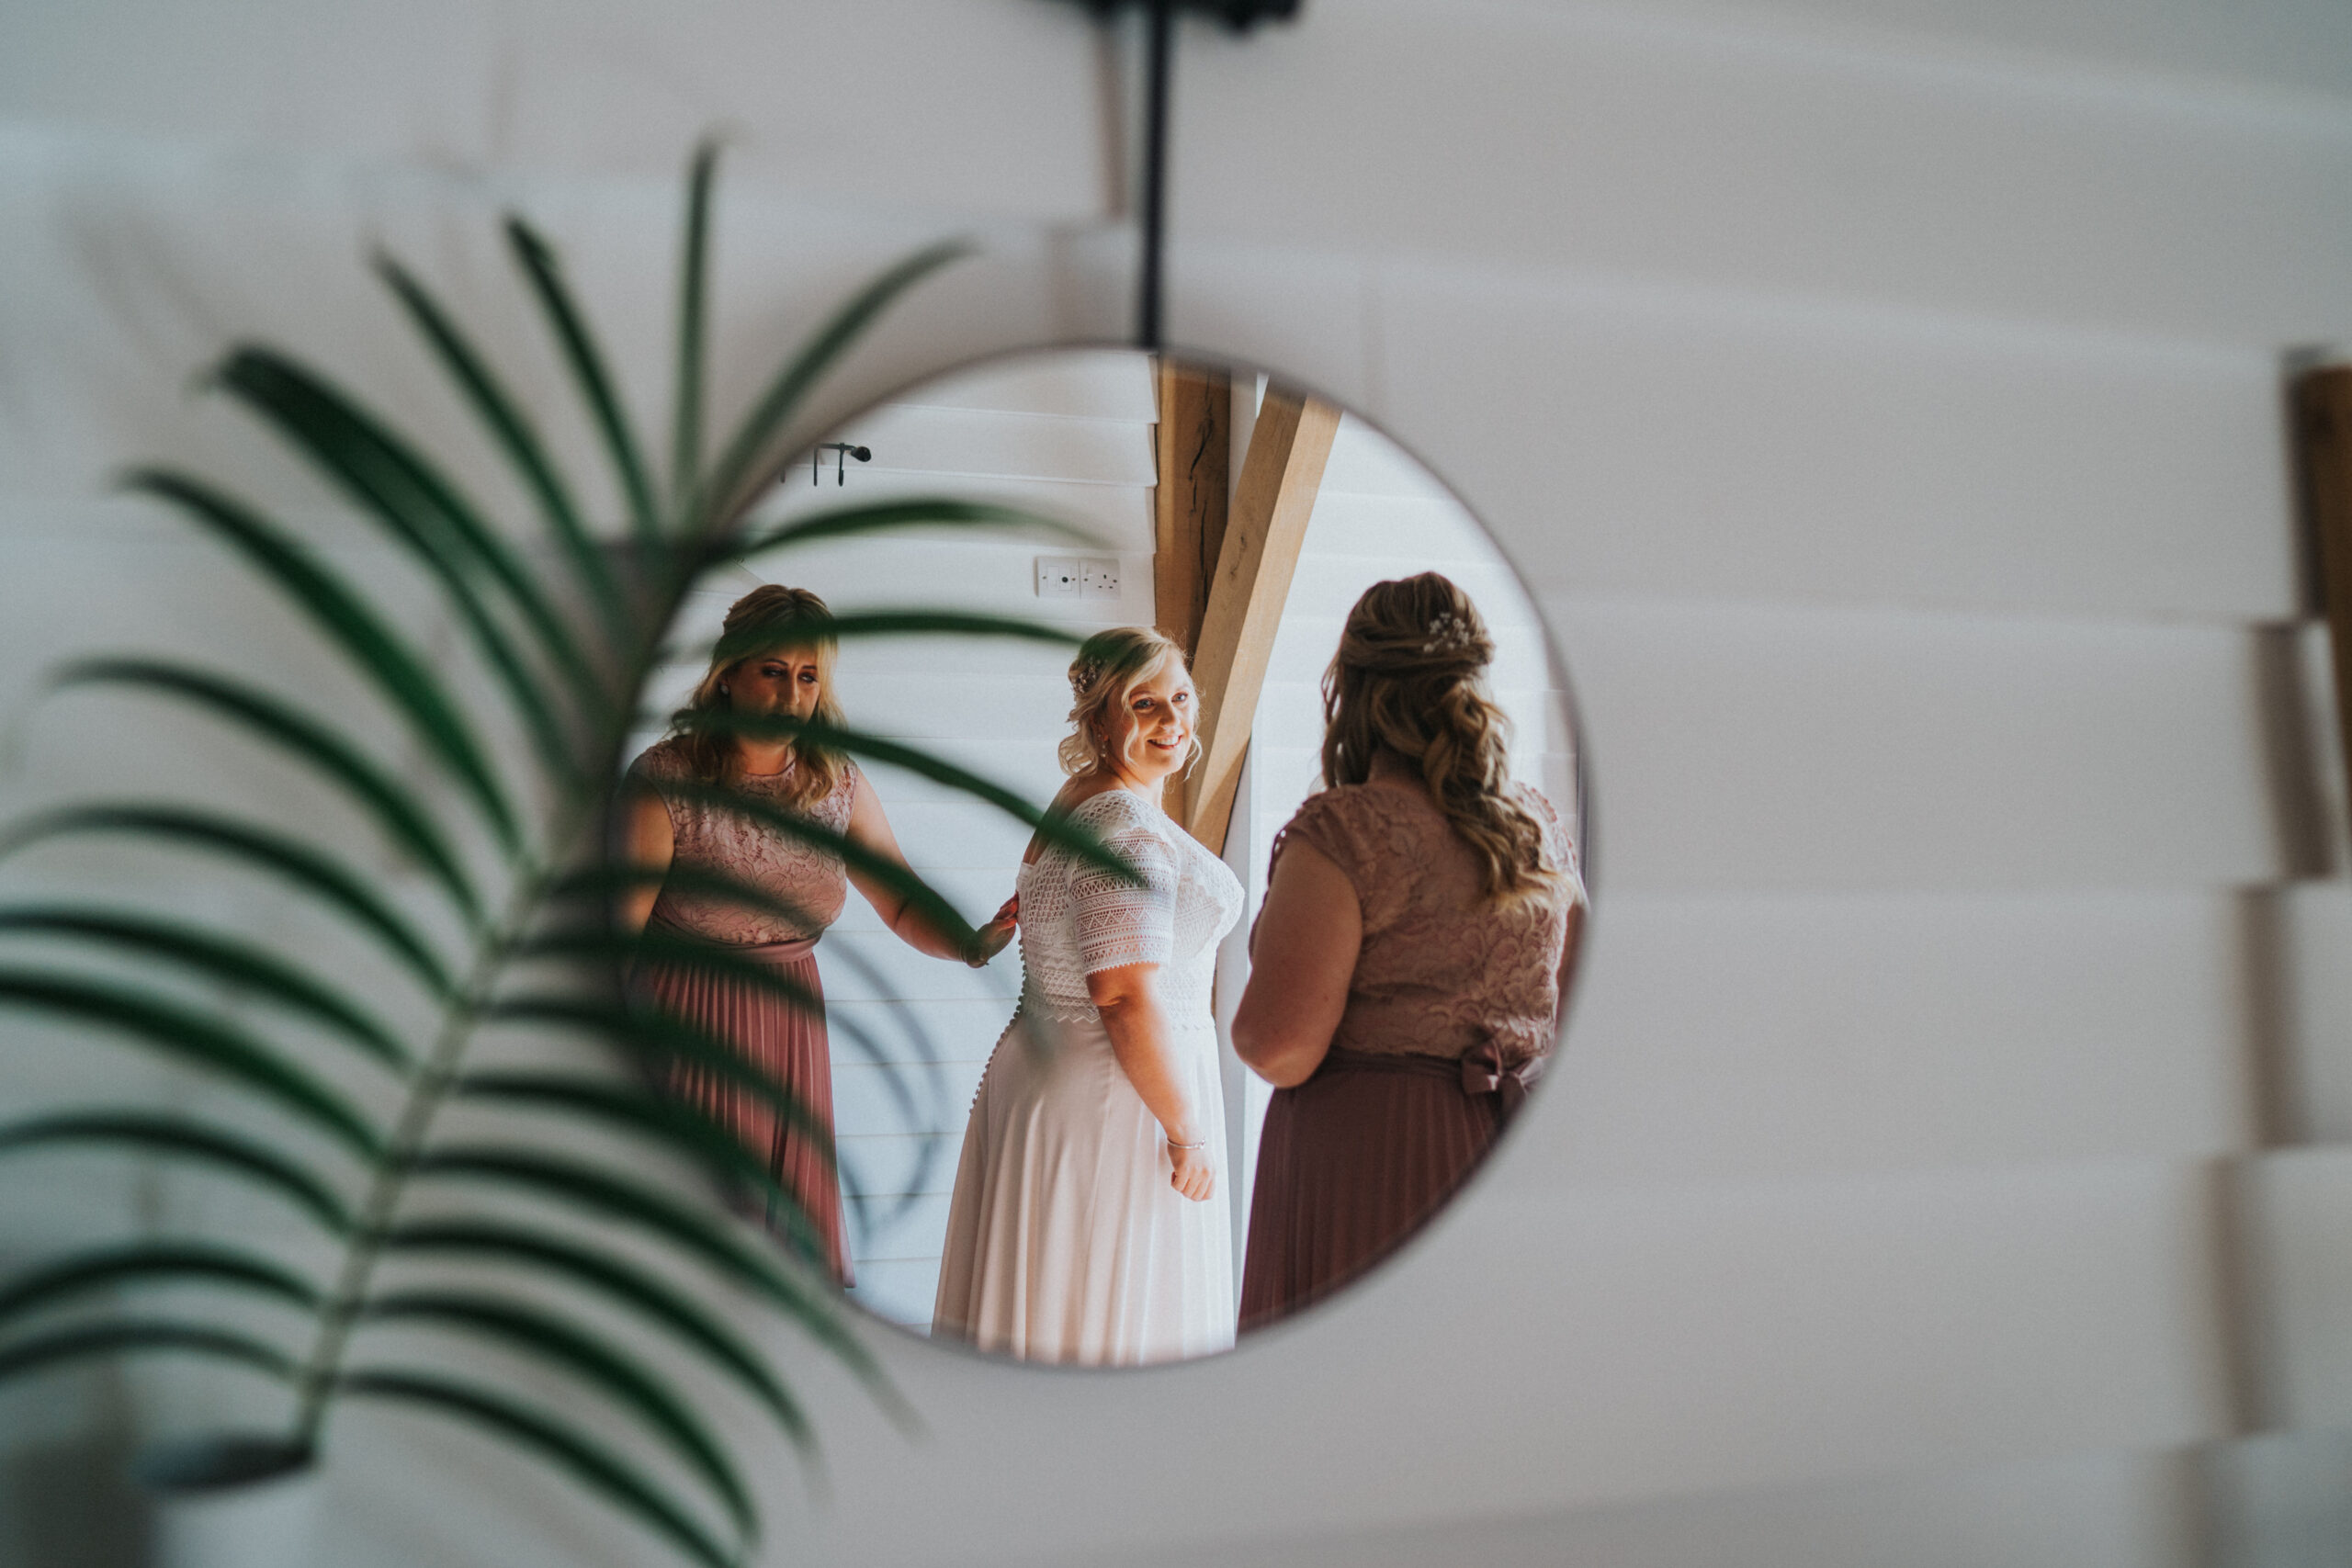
(336, 1096)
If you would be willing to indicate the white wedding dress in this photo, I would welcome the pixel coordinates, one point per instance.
(1064, 1240)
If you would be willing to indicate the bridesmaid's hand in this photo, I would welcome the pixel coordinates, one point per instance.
(1195, 1173)
(992, 937)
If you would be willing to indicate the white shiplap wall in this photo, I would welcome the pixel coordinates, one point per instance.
(1880, 396)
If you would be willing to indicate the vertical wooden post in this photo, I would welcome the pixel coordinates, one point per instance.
(2322, 415)
(1194, 441)
(1280, 476)
(1194, 444)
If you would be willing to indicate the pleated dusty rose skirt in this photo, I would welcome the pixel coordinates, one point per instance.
(787, 1043)
(1350, 1164)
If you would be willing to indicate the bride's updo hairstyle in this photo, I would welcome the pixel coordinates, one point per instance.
(1109, 667)
(769, 618)
(1411, 677)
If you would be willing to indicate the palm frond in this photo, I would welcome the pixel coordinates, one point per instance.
(896, 516)
(694, 957)
(193, 1038)
(624, 1283)
(514, 434)
(218, 959)
(654, 1041)
(1054, 827)
(560, 634)
(693, 283)
(126, 1336)
(610, 1370)
(545, 273)
(402, 819)
(302, 867)
(597, 1468)
(178, 1138)
(918, 622)
(343, 617)
(145, 1263)
(323, 425)
(673, 1123)
(752, 451)
(418, 506)
(667, 1219)
(894, 874)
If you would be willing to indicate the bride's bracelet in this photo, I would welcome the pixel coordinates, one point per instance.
(1174, 1144)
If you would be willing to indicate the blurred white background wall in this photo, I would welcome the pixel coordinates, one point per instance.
(1947, 1164)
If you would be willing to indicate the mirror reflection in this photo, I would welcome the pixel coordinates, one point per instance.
(1261, 946)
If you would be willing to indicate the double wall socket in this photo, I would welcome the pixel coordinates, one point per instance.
(1078, 577)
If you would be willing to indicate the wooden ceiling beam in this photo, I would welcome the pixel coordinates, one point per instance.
(1265, 526)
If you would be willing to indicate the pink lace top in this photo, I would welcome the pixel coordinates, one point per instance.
(1440, 970)
(705, 834)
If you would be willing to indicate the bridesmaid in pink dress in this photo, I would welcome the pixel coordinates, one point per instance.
(775, 657)
(1407, 968)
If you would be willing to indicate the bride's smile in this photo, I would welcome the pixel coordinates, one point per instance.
(1159, 723)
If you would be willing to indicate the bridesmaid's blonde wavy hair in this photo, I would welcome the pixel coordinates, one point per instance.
(1410, 678)
(1109, 667)
(769, 618)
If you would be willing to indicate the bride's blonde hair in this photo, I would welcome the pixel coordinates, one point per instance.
(1109, 667)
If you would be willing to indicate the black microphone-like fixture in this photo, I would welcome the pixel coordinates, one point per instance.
(840, 463)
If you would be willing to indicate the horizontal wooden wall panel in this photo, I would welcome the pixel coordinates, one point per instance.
(1633, 1343)
(992, 110)
(902, 1231)
(939, 1095)
(1706, 444)
(2120, 1510)
(2202, 51)
(1615, 143)
(138, 265)
(1302, 313)
(1734, 748)
(1765, 1037)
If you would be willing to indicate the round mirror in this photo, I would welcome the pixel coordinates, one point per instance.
(1159, 812)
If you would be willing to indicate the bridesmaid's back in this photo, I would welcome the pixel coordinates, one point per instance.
(1442, 968)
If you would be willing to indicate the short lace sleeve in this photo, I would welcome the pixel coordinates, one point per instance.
(657, 767)
(1555, 839)
(1348, 828)
(1119, 922)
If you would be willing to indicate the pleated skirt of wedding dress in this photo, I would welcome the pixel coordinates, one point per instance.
(1065, 1241)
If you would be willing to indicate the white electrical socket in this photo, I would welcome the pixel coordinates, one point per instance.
(1099, 577)
(1060, 576)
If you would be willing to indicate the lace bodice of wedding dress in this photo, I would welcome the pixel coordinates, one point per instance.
(1076, 918)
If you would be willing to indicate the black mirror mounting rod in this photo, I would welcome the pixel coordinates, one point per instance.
(1238, 14)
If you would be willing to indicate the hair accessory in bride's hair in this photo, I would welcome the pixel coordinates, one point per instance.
(1448, 633)
(1082, 678)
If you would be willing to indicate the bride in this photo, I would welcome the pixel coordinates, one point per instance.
(1081, 1228)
